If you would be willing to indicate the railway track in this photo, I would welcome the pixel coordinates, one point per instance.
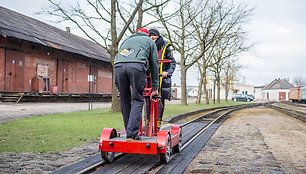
(196, 134)
(289, 110)
(295, 104)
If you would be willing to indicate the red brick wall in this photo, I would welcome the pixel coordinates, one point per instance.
(2, 63)
(105, 80)
(75, 77)
(77, 81)
(78, 78)
(34, 56)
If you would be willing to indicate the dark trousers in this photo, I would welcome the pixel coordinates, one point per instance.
(161, 108)
(130, 79)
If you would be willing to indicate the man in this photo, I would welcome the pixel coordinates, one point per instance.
(135, 55)
(164, 52)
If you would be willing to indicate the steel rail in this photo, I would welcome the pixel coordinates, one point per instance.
(294, 113)
(295, 104)
(90, 168)
(227, 110)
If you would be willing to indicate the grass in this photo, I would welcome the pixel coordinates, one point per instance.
(55, 133)
(176, 109)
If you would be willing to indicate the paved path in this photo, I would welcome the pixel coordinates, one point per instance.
(9, 111)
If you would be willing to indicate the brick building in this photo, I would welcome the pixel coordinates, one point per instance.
(38, 58)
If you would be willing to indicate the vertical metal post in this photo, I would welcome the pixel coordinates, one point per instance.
(89, 87)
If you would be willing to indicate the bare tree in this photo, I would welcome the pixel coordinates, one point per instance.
(206, 24)
(179, 31)
(230, 76)
(232, 46)
(227, 40)
(105, 23)
(299, 81)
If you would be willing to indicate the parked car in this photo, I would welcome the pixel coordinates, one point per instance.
(252, 96)
(242, 97)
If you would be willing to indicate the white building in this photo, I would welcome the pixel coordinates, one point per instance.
(258, 93)
(277, 90)
(236, 89)
(192, 91)
(242, 89)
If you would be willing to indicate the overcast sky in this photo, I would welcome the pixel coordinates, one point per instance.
(278, 29)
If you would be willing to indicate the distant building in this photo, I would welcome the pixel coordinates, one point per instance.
(258, 93)
(192, 91)
(175, 91)
(242, 89)
(277, 90)
(38, 58)
(235, 89)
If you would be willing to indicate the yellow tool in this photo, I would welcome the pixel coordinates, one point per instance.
(161, 65)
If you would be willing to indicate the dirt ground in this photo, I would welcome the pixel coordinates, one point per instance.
(257, 140)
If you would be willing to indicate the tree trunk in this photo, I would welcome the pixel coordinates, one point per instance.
(198, 101)
(113, 51)
(214, 93)
(115, 100)
(140, 18)
(184, 86)
(205, 90)
(218, 89)
(226, 90)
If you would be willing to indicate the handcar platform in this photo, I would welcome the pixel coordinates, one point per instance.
(162, 143)
(146, 145)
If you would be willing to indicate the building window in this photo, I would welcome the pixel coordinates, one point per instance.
(42, 70)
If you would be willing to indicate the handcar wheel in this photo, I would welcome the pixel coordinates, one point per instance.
(165, 157)
(109, 156)
(177, 148)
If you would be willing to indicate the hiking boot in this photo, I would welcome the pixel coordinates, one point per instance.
(133, 138)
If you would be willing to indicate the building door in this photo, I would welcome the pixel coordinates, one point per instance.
(65, 77)
(62, 80)
(282, 96)
(14, 75)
